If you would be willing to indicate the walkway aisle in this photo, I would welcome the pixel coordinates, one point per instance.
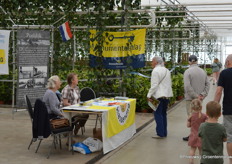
(172, 150)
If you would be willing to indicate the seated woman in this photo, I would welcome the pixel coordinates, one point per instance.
(71, 96)
(50, 98)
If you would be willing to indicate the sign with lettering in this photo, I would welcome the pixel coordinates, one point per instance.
(32, 54)
(119, 50)
(4, 46)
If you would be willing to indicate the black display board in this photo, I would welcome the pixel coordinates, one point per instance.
(32, 58)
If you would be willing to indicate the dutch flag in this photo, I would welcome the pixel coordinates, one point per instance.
(65, 31)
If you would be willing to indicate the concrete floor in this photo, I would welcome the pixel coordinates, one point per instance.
(16, 133)
(172, 150)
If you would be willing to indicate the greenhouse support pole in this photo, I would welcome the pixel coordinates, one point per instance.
(205, 53)
(52, 52)
(14, 73)
(193, 41)
(13, 47)
(74, 49)
(124, 21)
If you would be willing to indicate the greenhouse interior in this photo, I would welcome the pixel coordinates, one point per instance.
(111, 49)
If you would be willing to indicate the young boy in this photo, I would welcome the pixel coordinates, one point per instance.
(213, 135)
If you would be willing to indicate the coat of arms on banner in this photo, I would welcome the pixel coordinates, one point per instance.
(122, 111)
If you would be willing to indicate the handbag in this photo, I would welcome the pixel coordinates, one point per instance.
(59, 123)
(97, 133)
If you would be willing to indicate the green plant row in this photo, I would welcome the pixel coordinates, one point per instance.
(135, 86)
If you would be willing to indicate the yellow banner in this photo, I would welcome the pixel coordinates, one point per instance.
(119, 118)
(4, 49)
(120, 44)
(2, 57)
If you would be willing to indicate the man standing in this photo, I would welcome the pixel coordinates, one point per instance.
(225, 85)
(161, 89)
(196, 84)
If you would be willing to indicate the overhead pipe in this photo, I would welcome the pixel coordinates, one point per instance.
(152, 24)
(187, 11)
(183, 11)
(33, 26)
(180, 16)
(189, 4)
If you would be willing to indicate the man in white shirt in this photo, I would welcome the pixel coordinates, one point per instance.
(161, 89)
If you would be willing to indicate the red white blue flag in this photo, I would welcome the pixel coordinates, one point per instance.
(65, 31)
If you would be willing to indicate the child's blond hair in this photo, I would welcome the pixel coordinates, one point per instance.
(196, 106)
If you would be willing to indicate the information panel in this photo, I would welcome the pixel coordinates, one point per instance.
(32, 57)
(4, 46)
(120, 50)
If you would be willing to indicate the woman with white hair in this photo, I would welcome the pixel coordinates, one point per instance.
(50, 98)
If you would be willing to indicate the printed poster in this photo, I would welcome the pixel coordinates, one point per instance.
(4, 47)
(120, 49)
(32, 53)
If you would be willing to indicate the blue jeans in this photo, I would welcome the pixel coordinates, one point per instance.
(160, 116)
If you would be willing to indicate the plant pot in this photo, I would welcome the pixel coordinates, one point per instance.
(180, 97)
(1, 102)
(144, 110)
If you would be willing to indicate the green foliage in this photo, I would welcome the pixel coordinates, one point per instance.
(209, 71)
(6, 92)
(179, 70)
(137, 87)
(134, 85)
(35, 12)
(6, 88)
(177, 87)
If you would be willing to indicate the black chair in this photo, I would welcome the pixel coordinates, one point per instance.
(31, 114)
(39, 117)
(58, 134)
(87, 94)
